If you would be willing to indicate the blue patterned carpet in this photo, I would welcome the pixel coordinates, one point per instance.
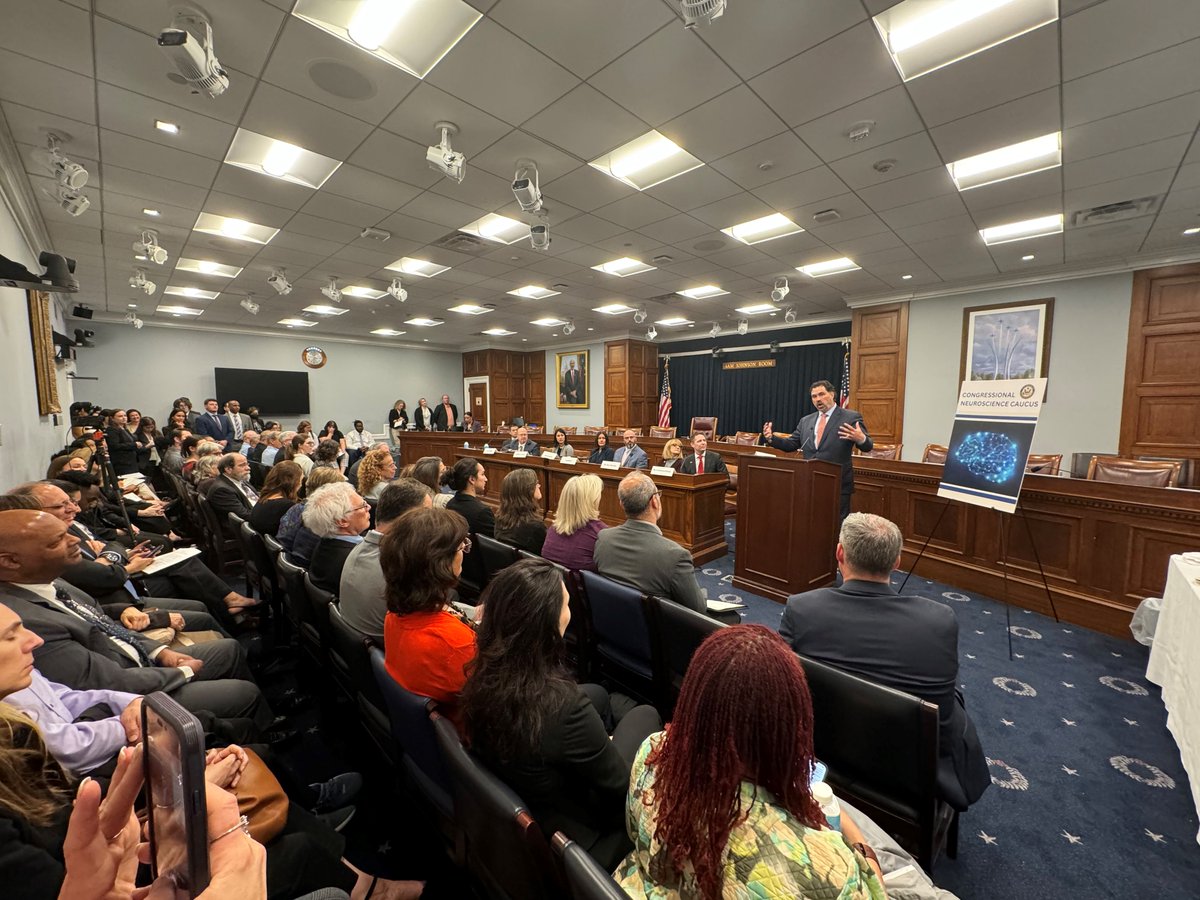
(1089, 798)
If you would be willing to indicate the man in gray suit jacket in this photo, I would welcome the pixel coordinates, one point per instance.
(85, 649)
(237, 423)
(631, 456)
(637, 554)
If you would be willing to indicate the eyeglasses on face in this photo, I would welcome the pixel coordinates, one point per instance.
(465, 546)
(69, 504)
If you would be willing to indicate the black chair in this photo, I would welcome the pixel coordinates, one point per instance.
(505, 848)
(321, 601)
(349, 645)
(881, 747)
(250, 570)
(417, 746)
(226, 551)
(473, 579)
(676, 631)
(624, 652)
(578, 639)
(585, 879)
(300, 612)
(496, 555)
(258, 474)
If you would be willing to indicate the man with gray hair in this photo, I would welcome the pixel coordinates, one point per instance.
(338, 516)
(232, 492)
(909, 643)
(636, 553)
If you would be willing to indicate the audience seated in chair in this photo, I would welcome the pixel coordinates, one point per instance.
(601, 451)
(281, 491)
(375, 472)
(909, 643)
(339, 516)
(434, 474)
(296, 539)
(571, 540)
(362, 593)
(561, 446)
(232, 492)
(545, 736)
(469, 481)
(520, 521)
(672, 453)
(703, 461)
(720, 805)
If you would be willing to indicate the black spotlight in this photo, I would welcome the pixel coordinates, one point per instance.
(774, 347)
(82, 312)
(83, 337)
(59, 270)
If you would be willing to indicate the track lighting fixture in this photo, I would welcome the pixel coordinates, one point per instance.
(396, 289)
(640, 316)
(70, 175)
(139, 282)
(789, 315)
(743, 326)
(700, 12)
(525, 186)
(131, 318)
(781, 289)
(332, 291)
(651, 333)
(278, 279)
(147, 245)
(249, 304)
(715, 330)
(569, 328)
(539, 236)
(443, 158)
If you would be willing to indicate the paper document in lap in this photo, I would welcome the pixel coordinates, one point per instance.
(174, 558)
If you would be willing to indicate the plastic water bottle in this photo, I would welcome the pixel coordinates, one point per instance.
(823, 794)
(466, 445)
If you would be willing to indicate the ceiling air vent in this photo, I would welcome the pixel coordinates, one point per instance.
(461, 242)
(375, 234)
(826, 216)
(1113, 212)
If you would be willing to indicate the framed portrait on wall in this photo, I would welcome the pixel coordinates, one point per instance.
(1007, 340)
(41, 334)
(572, 373)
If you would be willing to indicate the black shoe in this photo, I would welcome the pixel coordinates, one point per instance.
(337, 792)
(339, 818)
(277, 737)
(291, 702)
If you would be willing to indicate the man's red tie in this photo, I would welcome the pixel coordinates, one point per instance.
(699, 463)
(820, 428)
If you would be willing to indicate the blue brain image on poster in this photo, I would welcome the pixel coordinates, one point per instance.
(988, 455)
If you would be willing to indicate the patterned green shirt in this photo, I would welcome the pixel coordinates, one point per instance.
(770, 856)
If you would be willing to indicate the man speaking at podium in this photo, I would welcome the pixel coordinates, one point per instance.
(831, 434)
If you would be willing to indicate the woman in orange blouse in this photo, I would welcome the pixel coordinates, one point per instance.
(426, 643)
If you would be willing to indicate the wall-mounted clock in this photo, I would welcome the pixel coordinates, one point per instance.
(314, 357)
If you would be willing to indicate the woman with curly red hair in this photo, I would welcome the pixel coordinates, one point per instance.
(719, 804)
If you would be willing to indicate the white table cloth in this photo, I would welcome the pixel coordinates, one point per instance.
(1175, 663)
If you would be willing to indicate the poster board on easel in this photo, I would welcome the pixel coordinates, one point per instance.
(989, 444)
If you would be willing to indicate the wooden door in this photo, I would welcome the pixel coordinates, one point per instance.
(477, 403)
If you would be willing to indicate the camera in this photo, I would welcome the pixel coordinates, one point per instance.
(539, 237)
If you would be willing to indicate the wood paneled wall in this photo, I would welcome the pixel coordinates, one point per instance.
(630, 383)
(878, 354)
(516, 383)
(1160, 415)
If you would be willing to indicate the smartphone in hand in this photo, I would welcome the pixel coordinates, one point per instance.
(178, 813)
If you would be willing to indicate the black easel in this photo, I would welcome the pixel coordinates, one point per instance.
(110, 481)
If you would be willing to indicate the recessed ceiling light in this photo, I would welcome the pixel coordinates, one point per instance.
(1019, 231)
(179, 310)
(906, 277)
(419, 267)
(646, 161)
(237, 229)
(670, 321)
(168, 127)
(208, 267)
(132, 305)
(1191, 231)
(193, 293)
(423, 322)
(151, 212)
(322, 309)
(1027, 257)
(613, 309)
(501, 229)
(702, 293)
(623, 267)
(755, 309)
(141, 257)
(279, 159)
(766, 228)
(548, 322)
(297, 323)
(1013, 161)
(829, 267)
(471, 309)
(533, 292)
(498, 332)
(412, 35)
(590, 328)
(922, 36)
(364, 293)
(388, 332)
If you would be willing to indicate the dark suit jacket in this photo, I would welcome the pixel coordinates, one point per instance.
(439, 417)
(423, 418)
(600, 454)
(327, 561)
(832, 448)
(637, 554)
(77, 653)
(478, 514)
(218, 430)
(907, 643)
(712, 463)
(122, 450)
(530, 446)
(225, 498)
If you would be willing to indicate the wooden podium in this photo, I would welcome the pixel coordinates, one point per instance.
(787, 521)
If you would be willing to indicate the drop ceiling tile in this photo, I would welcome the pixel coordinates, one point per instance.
(1147, 185)
(727, 123)
(170, 216)
(925, 211)
(1188, 177)
(482, 189)
(1139, 82)
(315, 248)
(586, 123)
(906, 156)
(668, 73)
(446, 211)
(785, 248)
(35, 84)
(396, 157)
(698, 187)
(845, 69)
(891, 116)
(589, 229)
(588, 36)
(30, 126)
(133, 114)
(250, 210)
(1019, 210)
(1148, 157)
(30, 27)
(965, 267)
(848, 229)
(586, 189)
(635, 244)
(767, 161)
(1144, 26)
(848, 206)
(1178, 115)
(340, 209)
(940, 228)
(417, 114)
(732, 210)
(859, 248)
(908, 189)
(1040, 184)
(154, 159)
(1047, 251)
(797, 190)
(256, 186)
(314, 64)
(368, 187)
(488, 48)
(501, 157)
(1182, 200)
(289, 117)
(408, 228)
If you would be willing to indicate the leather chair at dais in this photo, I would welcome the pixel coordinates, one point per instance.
(592, 429)
(667, 433)
(585, 879)
(1164, 473)
(1185, 466)
(704, 424)
(1044, 463)
(883, 451)
(569, 429)
(747, 438)
(935, 453)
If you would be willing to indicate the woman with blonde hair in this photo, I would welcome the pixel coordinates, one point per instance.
(571, 540)
(519, 521)
(673, 453)
(375, 472)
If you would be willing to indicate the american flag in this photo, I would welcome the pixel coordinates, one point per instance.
(664, 401)
(844, 395)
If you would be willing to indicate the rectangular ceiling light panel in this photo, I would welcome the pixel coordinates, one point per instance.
(208, 267)
(419, 267)
(702, 293)
(829, 267)
(322, 309)
(237, 229)
(423, 322)
(672, 321)
(1019, 231)
(757, 309)
(412, 35)
(279, 159)
(613, 309)
(624, 267)
(533, 292)
(548, 322)
(1013, 161)
(193, 293)
(179, 310)
(388, 332)
(924, 35)
(471, 309)
(501, 229)
(363, 293)
(297, 323)
(498, 332)
(767, 228)
(646, 161)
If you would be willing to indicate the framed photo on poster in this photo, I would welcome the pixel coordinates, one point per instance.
(1007, 341)
(571, 370)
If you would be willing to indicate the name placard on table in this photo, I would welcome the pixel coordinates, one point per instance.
(611, 464)
(665, 471)
(568, 461)
(520, 454)
(549, 454)
(489, 451)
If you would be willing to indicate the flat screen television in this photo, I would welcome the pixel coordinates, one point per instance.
(274, 393)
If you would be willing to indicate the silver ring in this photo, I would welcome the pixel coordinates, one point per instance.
(243, 826)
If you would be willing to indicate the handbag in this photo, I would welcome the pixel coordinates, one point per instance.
(261, 799)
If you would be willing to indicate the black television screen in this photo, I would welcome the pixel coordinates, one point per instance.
(274, 393)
